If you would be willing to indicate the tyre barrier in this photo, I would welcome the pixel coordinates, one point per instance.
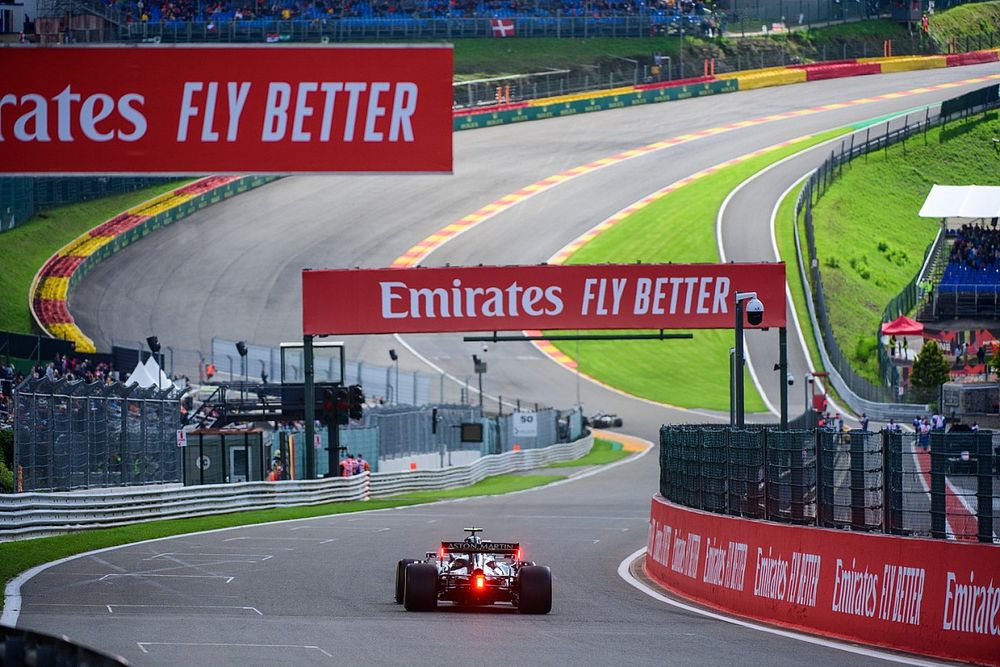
(35, 514)
(932, 597)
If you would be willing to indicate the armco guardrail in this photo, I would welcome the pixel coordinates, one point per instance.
(923, 596)
(31, 514)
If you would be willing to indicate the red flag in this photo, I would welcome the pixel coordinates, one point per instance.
(502, 27)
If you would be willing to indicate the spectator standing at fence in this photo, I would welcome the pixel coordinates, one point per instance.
(363, 465)
(346, 467)
(210, 371)
(864, 421)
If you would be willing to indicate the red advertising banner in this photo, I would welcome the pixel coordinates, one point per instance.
(933, 597)
(231, 109)
(511, 298)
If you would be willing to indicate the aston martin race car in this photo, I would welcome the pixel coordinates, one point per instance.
(472, 572)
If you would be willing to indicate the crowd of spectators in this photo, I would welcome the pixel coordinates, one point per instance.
(976, 247)
(167, 11)
(62, 367)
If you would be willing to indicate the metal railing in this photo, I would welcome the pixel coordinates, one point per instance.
(22, 197)
(816, 186)
(32, 514)
(942, 485)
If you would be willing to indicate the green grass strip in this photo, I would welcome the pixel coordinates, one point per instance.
(16, 557)
(680, 227)
(28, 246)
(603, 452)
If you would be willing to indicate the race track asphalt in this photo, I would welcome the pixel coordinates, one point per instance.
(319, 591)
(264, 595)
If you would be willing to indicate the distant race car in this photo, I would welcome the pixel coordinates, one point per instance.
(474, 572)
(601, 420)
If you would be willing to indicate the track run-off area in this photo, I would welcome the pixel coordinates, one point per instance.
(319, 591)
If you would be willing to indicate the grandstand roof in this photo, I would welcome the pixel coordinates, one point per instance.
(962, 201)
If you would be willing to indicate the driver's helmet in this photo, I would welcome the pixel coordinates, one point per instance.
(474, 540)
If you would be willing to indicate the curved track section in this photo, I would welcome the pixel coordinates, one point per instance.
(319, 590)
(233, 270)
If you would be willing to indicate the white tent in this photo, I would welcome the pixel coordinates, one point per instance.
(141, 376)
(160, 379)
(962, 201)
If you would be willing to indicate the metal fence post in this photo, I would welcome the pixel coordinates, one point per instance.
(796, 461)
(984, 491)
(821, 474)
(857, 448)
(938, 509)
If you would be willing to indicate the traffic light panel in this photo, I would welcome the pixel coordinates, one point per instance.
(357, 402)
(328, 406)
(342, 406)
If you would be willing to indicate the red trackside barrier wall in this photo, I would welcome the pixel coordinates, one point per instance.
(933, 597)
(839, 70)
(973, 58)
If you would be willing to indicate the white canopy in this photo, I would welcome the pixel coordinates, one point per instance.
(149, 375)
(160, 379)
(962, 201)
(141, 377)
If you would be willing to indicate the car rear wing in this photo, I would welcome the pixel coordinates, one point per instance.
(512, 549)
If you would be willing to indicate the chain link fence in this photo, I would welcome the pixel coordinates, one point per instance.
(942, 485)
(73, 435)
(22, 197)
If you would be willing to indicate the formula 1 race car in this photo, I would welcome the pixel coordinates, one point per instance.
(601, 420)
(474, 572)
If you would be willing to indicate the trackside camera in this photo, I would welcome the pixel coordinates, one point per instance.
(755, 311)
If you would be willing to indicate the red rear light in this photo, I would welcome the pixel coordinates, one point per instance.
(442, 553)
(518, 556)
(480, 581)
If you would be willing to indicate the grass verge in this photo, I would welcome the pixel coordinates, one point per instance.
(26, 247)
(971, 19)
(680, 227)
(603, 452)
(16, 557)
(869, 238)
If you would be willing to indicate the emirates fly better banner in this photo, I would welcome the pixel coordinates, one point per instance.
(511, 298)
(190, 110)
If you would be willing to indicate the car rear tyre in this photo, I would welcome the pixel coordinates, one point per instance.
(535, 594)
(420, 587)
(401, 578)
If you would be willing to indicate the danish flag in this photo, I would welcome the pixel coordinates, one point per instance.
(502, 27)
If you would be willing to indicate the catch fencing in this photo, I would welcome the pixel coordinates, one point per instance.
(912, 293)
(72, 435)
(942, 485)
(31, 514)
(22, 197)
(815, 187)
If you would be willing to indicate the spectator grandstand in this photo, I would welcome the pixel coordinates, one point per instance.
(970, 283)
(974, 260)
(169, 11)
